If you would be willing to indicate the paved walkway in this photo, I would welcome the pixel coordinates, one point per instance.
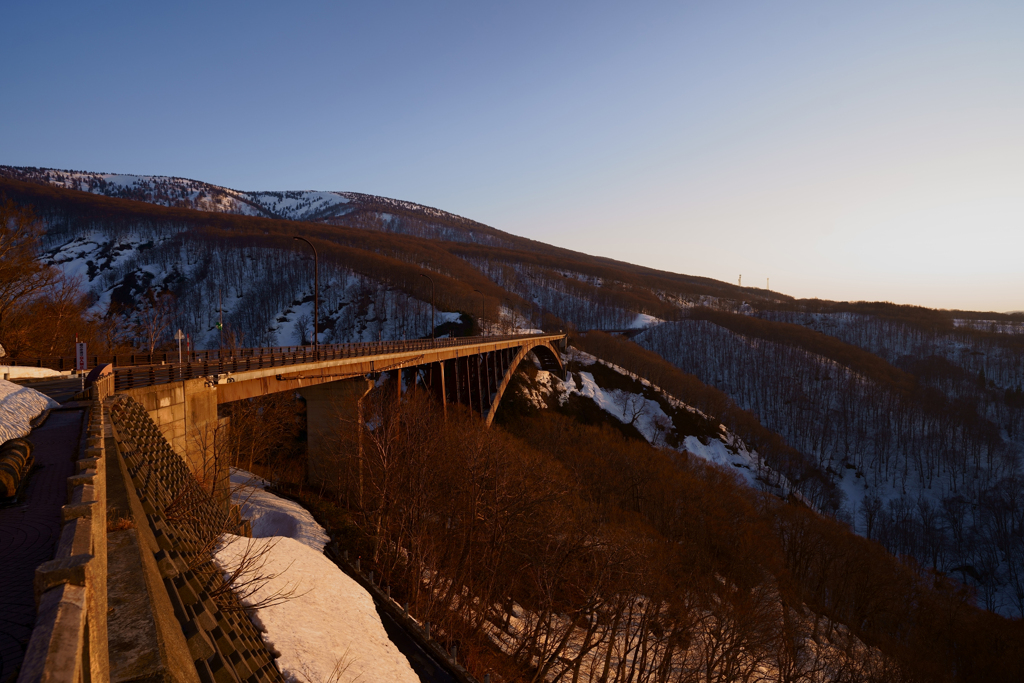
(30, 530)
(61, 390)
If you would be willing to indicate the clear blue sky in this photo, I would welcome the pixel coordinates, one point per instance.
(864, 150)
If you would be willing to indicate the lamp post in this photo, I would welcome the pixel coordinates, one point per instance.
(316, 298)
(431, 304)
(481, 311)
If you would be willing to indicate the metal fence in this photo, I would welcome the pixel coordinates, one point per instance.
(214, 356)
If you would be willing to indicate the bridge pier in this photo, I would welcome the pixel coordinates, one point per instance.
(334, 428)
(436, 384)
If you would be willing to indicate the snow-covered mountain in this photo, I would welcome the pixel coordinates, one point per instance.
(332, 207)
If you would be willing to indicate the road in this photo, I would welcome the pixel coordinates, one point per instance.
(60, 389)
(421, 661)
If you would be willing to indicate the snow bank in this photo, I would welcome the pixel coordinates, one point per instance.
(643, 320)
(18, 406)
(330, 624)
(19, 372)
(272, 515)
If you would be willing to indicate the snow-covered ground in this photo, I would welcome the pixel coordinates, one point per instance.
(326, 628)
(649, 418)
(18, 407)
(19, 372)
(272, 515)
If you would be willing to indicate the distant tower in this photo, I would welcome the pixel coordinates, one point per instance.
(741, 279)
(768, 283)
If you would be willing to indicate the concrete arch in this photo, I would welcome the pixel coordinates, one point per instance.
(549, 357)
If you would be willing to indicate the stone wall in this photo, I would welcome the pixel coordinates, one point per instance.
(185, 414)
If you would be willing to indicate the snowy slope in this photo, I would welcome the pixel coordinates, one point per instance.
(646, 409)
(261, 294)
(327, 629)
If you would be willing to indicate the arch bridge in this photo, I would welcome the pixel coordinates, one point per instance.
(182, 398)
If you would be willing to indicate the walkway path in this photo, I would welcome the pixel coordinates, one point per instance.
(29, 531)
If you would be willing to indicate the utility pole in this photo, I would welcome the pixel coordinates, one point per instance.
(431, 304)
(316, 298)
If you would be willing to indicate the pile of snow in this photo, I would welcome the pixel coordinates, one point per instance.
(272, 515)
(20, 372)
(326, 629)
(18, 407)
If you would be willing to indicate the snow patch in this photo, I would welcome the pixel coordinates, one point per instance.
(18, 407)
(20, 372)
(272, 515)
(328, 625)
(643, 320)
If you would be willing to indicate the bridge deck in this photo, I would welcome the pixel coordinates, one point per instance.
(328, 363)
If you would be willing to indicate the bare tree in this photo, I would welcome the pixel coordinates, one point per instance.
(22, 277)
(154, 318)
(302, 327)
(634, 407)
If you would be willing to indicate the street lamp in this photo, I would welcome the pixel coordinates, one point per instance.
(481, 311)
(431, 304)
(316, 298)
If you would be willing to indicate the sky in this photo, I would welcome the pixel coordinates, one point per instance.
(848, 151)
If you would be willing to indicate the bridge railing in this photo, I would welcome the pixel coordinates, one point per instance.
(210, 356)
(207, 363)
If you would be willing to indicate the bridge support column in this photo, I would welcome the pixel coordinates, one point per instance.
(334, 427)
(437, 386)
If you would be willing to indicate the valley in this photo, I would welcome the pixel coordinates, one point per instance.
(748, 486)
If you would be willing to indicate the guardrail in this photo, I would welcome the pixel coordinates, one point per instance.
(247, 359)
(69, 641)
(219, 355)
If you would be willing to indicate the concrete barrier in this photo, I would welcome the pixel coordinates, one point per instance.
(69, 641)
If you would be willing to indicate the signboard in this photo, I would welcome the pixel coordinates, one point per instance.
(80, 356)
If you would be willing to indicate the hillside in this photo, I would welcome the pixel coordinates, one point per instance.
(125, 239)
(904, 425)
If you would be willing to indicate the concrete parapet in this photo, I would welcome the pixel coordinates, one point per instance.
(69, 641)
